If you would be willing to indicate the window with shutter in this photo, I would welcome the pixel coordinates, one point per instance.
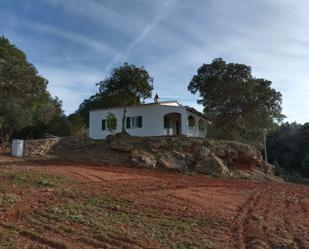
(139, 121)
(103, 124)
(134, 122)
(128, 121)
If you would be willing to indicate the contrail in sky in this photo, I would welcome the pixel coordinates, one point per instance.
(166, 6)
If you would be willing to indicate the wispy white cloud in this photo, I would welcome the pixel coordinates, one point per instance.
(172, 39)
(90, 43)
(97, 11)
(166, 7)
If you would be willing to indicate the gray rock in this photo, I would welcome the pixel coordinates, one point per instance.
(179, 155)
(143, 159)
(212, 165)
(201, 152)
(169, 162)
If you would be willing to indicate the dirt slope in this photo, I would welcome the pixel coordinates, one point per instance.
(65, 205)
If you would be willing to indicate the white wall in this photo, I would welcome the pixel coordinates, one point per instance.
(153, 123)
(194, 131)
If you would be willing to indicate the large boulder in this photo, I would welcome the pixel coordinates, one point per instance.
(121, 145)
(168, 161)
(243, 151)
(212, 165)
(143, 159)
(201, 152)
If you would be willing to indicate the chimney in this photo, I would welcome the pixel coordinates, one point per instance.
(156, 99)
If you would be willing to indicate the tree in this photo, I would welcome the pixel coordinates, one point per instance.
(24, 99)
(288, 148)
(77, 126)
(111, 122)
(240, 106)
(95, 102)
(125, 86)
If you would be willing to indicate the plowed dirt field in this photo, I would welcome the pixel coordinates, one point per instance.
(47, 204)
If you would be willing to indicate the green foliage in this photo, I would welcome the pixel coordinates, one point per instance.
(94, 102)
(24, 100)
(127, 85)
(111, 122)
(44, 182)
(77, 125)
(29, 179)
(240, 106)
(288, 147)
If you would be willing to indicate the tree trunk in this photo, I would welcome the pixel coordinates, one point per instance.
(213, 125)
(124, 118)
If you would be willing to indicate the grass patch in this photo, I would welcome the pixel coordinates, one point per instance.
(34, 179)
(7, 239)
(98, 216)
(6, 199)
(44, 182)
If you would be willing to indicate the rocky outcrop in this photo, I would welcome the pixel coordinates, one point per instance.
(212, 165)
(168, 160)
(212, 157)
(143, 159)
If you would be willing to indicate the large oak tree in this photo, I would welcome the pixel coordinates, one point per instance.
(24, 99)
(127, 85)
(239, 105)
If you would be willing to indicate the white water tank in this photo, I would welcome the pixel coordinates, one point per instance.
(17, 147)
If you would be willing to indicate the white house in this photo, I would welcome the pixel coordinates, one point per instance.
(154, 119)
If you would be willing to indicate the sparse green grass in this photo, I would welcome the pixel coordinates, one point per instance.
(44, 182)
(7, 239)
(6, 199)
(28, 179)
(90, 218)
(100, 216)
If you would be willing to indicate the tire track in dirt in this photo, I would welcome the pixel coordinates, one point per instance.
(295, 210)
(105, 240)
(243, 217)
(64, 244)
(85, 177)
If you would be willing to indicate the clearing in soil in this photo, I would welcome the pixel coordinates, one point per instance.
(62, 205)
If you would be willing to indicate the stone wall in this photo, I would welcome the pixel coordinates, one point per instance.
(40, 147)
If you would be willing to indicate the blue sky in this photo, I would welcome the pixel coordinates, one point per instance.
(76, 43)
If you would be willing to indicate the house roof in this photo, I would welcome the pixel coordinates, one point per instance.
(173, 103)
(191, 109)
(163, 103)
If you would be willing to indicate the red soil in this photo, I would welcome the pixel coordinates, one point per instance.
(242, 214)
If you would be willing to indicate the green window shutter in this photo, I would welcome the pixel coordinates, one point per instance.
(103, 124)
(128, 123)
(139, 121)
